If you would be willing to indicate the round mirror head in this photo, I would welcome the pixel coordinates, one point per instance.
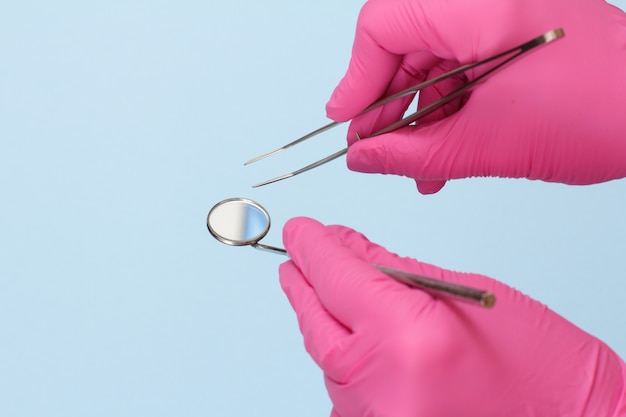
(238, 221)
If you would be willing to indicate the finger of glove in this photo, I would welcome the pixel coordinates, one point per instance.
(382, 117)
(432, 94)
(347, 286)
(486, 137)
(439, 90)
(362, 247)
(429, 187)
(325, 339)
(426, 154)
(386, 31)
(410, 72)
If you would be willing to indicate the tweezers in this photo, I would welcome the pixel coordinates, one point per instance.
(517, 51)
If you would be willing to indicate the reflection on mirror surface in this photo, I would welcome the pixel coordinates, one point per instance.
(238, 221)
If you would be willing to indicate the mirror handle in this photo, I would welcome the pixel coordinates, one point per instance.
(269, 248)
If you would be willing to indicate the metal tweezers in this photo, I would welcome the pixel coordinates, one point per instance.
(517, 51)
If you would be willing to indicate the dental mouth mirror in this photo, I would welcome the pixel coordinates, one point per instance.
(243, 222)
(240, 222)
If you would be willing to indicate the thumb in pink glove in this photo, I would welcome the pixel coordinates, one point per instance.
(391, 351)
(554, 114)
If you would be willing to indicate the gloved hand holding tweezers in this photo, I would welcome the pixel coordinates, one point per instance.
(557, 114)
(388, 350)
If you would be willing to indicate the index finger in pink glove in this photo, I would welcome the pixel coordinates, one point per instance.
(379, 118)
(434, 30)
(348, 287)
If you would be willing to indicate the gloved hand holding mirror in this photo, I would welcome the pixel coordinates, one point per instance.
(243, 222)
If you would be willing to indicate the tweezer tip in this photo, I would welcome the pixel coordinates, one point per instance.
(295, 142)
(282, 177)
(265, 155)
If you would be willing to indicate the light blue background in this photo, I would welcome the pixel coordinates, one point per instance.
(123, 122)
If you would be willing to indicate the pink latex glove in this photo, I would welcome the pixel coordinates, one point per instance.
(555, 114)
(391, 351)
